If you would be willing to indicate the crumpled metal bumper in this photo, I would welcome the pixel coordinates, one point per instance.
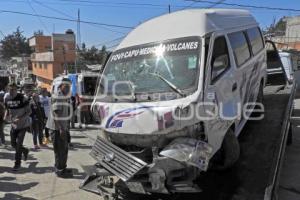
(162, 175)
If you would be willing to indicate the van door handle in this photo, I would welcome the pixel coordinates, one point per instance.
(234, 87)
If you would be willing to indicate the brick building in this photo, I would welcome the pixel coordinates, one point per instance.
(52, 56)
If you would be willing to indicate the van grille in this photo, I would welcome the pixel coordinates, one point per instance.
(116, 160)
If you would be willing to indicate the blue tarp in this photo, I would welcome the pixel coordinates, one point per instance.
(73, 78)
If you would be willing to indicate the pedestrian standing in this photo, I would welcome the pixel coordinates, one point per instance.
(18, 108)
(2, 113)
(58, 124)
(38, 119)
(83, 111)
(45, 102)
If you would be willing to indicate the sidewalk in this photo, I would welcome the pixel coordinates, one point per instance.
(36, 180)
(289, 187)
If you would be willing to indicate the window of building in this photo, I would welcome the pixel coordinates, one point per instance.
(255, 39)
(240, 47)
(45, 65)
(40, 65)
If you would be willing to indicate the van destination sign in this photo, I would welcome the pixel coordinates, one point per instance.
(155, 50)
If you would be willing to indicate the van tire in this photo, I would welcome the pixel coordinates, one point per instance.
(228, 154)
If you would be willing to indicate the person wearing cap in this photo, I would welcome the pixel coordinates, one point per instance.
(19, 111)
(58, 124)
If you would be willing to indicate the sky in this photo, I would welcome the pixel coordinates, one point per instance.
(128, 13)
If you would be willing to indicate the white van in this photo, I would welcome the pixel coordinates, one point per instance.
(170, 94)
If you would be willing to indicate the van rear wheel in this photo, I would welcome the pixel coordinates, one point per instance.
(228, 154)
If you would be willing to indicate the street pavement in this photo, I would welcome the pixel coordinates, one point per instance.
(36, 180)
(289, 187)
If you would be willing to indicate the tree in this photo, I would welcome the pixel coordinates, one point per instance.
(14, 44)
(92, 55)
(277, 28)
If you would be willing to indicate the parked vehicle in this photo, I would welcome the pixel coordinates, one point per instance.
(287, 62)
(159, 89)
(83, 88)
(83, 84)
(275, 69)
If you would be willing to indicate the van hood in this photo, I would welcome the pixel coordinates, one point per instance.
(138, 119)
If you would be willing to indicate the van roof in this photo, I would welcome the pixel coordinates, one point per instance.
(191, 22)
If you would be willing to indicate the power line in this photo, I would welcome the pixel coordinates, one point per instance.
(189, 6)
(116, 3)
(108, 4)
(248, 6)
(66, 15)
(65, 19)
(53, 9)
(109, 42)
(215, 4)
(110, 47)
(40, 20)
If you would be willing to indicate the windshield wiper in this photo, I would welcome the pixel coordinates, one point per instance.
(171, 85)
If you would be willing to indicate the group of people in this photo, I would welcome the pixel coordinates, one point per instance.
(39, 104)
(38, 113)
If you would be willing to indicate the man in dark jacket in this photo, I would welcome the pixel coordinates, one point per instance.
(18, 108)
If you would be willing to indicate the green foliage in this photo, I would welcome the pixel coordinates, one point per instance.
(92, 55)
(14, 44)
(277, 28)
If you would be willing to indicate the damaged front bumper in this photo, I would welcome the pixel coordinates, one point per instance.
(172, 170)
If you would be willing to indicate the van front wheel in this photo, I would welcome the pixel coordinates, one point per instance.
(228, 154)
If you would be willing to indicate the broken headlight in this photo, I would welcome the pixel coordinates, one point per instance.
(190, 151)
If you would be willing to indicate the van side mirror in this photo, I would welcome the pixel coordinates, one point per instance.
(220, 64)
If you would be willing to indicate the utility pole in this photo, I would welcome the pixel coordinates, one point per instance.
(78, 45)
(65, 65)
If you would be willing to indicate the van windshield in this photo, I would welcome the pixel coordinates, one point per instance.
(170, 66)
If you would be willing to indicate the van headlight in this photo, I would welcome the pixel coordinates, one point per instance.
(190, 151)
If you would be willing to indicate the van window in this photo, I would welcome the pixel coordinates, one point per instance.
(220, 58)
(256, 40)
(240, 47)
